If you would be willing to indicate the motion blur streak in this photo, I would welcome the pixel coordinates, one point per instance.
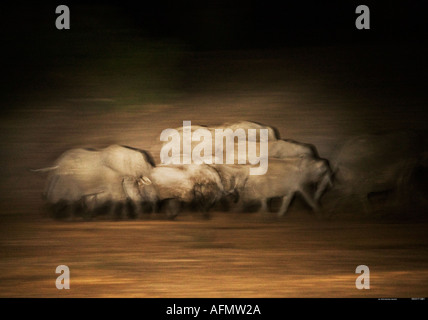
(121, 75)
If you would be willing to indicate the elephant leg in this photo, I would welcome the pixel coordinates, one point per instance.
(105, 210)
(239, 206)
(81, 209)
(285, 204)
(154, 207)
(118, 210)
(61, 210)
(322, 186)
(87, 206)
(264, 206)
(132, 209)
(173, 207)
(145, 208)
(311, 202)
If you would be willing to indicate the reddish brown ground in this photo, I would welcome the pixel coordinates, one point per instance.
(231, 255)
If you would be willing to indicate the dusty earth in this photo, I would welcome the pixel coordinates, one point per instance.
(232, 255)
(317, 95)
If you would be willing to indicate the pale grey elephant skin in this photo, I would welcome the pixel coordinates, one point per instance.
(306, 176)
(288, 148)
(95, 178)
(379, 170)
(193, 183)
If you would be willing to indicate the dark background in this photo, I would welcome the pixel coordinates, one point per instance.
(33, 49)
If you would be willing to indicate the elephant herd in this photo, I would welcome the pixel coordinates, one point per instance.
(120, 180)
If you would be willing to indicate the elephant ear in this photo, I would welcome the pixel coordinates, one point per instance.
(130, 187)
